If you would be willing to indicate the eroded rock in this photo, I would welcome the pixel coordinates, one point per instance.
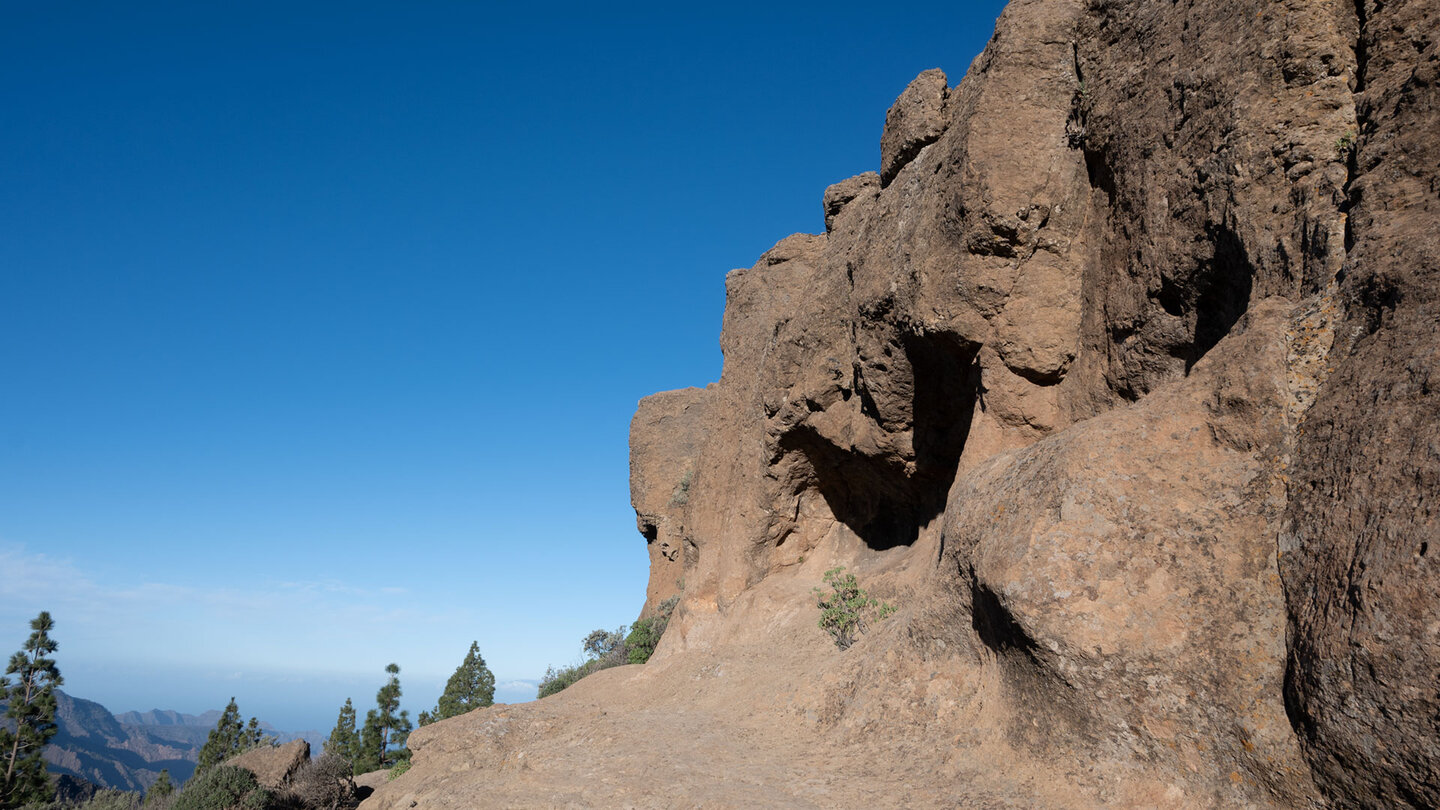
(1118, 380)
(273, 765)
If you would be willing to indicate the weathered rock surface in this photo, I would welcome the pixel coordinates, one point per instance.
(1359, 553)
(1118, 380)
(662, 470)
(273, 765)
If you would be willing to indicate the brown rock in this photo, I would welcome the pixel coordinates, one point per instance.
(914, 121)
(663, 438)
(1359, 553)
(1119, 382)
(273, 765)
(844, 192)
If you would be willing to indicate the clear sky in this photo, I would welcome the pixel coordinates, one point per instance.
(321, 324)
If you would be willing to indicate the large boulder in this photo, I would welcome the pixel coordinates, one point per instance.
(273, 765)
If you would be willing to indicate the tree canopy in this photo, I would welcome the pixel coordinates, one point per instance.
(229, 737)
(29, 691)
(471, 687)
(382, 740)
(344, 741)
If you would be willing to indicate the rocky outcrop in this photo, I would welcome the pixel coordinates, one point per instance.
(273, 765)
(662, 470)
(1116, 379)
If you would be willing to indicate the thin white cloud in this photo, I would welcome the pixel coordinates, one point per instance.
(273, 624)
(515, 686)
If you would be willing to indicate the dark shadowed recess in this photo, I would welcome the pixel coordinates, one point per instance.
(874, 495)
(995, 625)
(1222, 292)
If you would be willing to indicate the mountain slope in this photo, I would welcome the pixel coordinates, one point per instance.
(93, 746)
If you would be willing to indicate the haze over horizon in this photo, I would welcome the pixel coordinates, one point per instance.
(324, 325)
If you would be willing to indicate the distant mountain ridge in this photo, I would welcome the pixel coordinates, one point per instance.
(93, 745)
(169, 717)
(127, 751)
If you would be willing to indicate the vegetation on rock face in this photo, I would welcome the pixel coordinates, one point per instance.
(29, 691)
(228, 738)
(843, 611)
(605, 649)
(382, 740)
(471, 687)
(681, 495)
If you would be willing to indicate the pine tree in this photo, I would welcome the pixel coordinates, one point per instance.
(160, 788)
(253, 735)
(31, 708)
(371, 748)
(229, 737)
(344, 742)
(471, 687)
(386, 727)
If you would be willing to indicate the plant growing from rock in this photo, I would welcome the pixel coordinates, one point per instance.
(681, 495)
(843, 611)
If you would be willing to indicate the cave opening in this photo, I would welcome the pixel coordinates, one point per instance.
(884, 499)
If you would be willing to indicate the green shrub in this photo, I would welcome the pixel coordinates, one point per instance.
(605, 649)
(556, 680)
(399, 770)
(221, 788)
(645, 634)
(1343, 145)
(102, 800)
(113, 800)
(844, 609)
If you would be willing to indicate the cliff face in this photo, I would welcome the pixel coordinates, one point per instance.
(92, 745)
(1116, 379)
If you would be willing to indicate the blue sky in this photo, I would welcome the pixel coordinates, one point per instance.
(321, 325)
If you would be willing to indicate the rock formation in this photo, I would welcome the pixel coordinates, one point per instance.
(273, 765)
(1118, 380)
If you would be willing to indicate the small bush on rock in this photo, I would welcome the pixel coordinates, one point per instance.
(843, 611)
(324, 783)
